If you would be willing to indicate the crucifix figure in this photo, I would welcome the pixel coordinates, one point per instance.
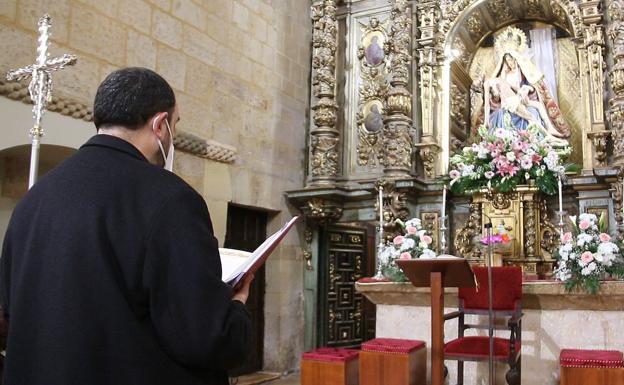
(40, 88)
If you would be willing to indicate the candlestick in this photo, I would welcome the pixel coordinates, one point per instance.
(442, 223)
(379, 274)
(443, 203)
(560, 206)
(380, 214)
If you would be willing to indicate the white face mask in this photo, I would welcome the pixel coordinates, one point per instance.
(168, 157)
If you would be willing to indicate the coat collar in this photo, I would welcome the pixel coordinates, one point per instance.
(102, 140)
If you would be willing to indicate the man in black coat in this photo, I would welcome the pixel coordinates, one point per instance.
(110, 272)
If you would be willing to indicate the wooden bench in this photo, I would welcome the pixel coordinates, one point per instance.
(388, 361)
(330, 366)
(591, 367)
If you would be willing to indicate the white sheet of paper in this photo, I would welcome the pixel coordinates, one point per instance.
(231, 260)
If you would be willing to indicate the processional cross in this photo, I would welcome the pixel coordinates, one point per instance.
(40, 88)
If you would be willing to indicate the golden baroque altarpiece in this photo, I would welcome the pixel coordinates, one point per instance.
(394, 92)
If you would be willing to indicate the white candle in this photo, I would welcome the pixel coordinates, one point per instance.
(443, 206)
(560, 200)
(380, 214)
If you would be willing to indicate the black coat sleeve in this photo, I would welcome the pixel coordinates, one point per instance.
(194, 317)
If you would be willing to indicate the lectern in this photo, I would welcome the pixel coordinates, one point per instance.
(438, 273)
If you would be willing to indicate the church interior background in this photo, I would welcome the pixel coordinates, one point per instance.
(312, 107)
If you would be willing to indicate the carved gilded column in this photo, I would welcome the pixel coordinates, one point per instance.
(593, 43)
(324, 136)
(397, 132)
(429, 17)
(617, 189)
(615, 114)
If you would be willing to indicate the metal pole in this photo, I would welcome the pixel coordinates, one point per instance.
(488, 226)
(34, 161)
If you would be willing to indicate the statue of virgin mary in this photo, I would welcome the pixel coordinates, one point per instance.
(516, 87)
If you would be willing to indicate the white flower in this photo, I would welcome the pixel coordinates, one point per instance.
(510, 156)
(415, 222)
(585, 271)
(489, 174)
(427, 254)
(583, 238)
(407, 244)
(588, 217)
(468, 170)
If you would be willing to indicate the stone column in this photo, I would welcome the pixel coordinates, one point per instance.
(324, 136)
(615, 113)
(397, 132)
(429, 16)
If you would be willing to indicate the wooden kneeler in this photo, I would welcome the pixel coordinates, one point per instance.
(388, 361)
(591, 367)
(330, 366)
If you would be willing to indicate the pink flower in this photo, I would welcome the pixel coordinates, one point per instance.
(587, 257)
(584, 224)
(427, 239)
(567, 237)
(604, 237)
(454, 174)
(411, 230)
(398, 240)
(405, 255)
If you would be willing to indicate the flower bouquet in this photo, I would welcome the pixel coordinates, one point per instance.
(506, 157)
(588, 255)
(413, 243)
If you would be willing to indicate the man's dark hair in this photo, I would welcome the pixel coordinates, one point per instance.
(130, 96)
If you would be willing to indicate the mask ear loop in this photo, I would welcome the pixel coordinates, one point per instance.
(162, 149)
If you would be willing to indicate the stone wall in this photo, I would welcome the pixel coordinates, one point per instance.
(240, 69)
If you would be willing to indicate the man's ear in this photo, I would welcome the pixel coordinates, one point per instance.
(159, 125)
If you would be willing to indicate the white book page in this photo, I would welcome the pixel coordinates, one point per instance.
(258, 253)
(231, 260)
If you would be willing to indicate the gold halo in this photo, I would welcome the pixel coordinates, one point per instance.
(510, 39)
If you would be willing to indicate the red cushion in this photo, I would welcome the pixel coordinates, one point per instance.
(591, 358)
(478, 347)
(392, 345)
(507, 289)
(331, 354)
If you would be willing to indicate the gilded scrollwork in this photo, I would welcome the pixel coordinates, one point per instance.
(550, 234)
(615, 114)
(599, 141)
(500, 10)
(458, 106)
(530, 229)
(464, 236)
(428, 155)
(394, 203)
(617, 189)
(324, 137)
(397, 133)
(321, 211)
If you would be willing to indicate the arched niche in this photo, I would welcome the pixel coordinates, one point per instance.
(467, 28)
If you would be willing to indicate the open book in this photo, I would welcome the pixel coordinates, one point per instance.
(236, 264)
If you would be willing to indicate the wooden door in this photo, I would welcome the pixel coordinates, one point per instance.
(346, 319)
(246, 230)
